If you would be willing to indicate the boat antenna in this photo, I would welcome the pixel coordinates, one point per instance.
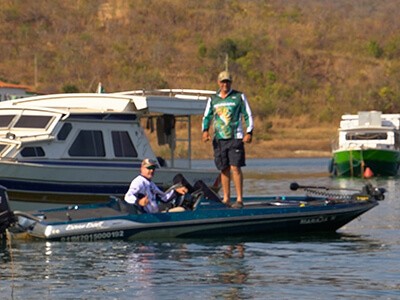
(226, 62)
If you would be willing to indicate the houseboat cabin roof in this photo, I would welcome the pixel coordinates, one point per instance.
(128, 102)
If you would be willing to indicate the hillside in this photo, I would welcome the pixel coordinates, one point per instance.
(302, 63)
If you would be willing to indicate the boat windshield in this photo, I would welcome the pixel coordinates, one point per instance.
(25, 121)
(2, 147)
(356, 136)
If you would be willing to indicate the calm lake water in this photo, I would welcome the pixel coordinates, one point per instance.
(361, 261)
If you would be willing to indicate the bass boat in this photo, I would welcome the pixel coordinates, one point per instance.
(198, 214)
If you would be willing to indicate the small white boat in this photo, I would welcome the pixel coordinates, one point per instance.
(368, 145)
(81, 148)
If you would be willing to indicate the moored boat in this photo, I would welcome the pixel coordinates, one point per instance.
(200, 214)
(368, 145)
(80, 148)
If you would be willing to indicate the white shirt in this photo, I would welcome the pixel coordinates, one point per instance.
(140, 187)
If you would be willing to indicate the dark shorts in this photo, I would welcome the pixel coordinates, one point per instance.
(228, 153)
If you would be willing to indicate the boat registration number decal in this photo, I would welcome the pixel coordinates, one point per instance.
(94, 236)
(317, 220)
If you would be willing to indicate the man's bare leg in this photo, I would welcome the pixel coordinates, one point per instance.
(238, 181)
(226, 184)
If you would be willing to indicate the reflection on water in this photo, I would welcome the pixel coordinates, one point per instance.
(341, 264)
(360, 261)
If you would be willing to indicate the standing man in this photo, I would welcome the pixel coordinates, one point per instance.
(226, 109)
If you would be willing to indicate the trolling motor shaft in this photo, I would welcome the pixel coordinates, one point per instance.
(368, 190)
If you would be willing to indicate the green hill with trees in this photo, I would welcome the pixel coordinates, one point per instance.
(302, 63)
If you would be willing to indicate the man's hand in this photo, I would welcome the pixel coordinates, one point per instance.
(247, 138)
(206, 136)
(182, 190)
(143, 201)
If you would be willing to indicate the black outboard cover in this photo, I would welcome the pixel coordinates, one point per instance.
(6, 215)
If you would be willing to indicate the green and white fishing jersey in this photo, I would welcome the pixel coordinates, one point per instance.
(227, 115)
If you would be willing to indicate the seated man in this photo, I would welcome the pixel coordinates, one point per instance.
(144, 193)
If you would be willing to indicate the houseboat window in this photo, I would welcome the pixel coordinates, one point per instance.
(366, 136)
(88, 143)
(64, 131)
(2, 147)
(32, 152)
(122, 143)
(28, 121)
(5, 120)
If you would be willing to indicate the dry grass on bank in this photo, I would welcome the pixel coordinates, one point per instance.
(295, 137)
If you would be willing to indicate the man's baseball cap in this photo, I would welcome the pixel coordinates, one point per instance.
(224, 75)
(149, 163)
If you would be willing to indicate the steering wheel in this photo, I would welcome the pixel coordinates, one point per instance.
(190, 201)
(178, 200)
(173, 187)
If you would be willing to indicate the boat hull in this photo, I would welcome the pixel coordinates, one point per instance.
(381, 162)
(208, 220)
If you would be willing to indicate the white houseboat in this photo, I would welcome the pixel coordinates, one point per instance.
(84, 147)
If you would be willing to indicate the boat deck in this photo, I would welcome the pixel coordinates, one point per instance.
(80, 214)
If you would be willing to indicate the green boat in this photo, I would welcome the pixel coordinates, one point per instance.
(368, 145)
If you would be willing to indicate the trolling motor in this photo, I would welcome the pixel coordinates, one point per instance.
(376, 193)
(7, 217)
(368, 190)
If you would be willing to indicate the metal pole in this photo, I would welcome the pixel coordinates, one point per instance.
(351, 163)
(190, 142)
(35, 69)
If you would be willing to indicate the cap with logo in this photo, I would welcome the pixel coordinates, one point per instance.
(224, 75)
(149, 163)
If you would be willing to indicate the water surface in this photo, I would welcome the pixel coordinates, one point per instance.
(361, 261)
